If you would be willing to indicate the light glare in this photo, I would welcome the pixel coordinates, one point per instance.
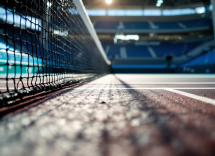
(49, 4)
(108, 1)
(126, 37)
(200, 10)
(159, 2)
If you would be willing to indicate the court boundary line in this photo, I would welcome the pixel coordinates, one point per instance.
(193, 96)
(133, 83)
(140, 88)
(193, 88)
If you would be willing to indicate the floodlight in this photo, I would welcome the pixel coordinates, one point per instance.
(108, 1)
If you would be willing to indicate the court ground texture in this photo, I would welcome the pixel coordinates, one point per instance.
(116, 115)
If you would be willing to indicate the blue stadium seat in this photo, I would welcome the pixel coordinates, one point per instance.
(176, 49)
(208, 58)
(104, 45)
(208, 22)
(136, 25)
(106, 25)
(161, 25)
(167, 25)
(197, 23)
(137, 51)
(169, 49)
(114, 50)
(191, 46)
(189, 23)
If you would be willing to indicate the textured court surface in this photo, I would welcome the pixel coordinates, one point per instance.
(118, 115)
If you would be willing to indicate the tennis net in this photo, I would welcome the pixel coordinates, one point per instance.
(46, 44)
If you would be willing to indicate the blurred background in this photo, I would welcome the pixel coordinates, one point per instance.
(155, 36)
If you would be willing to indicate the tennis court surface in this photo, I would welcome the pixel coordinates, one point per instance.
(124, 115)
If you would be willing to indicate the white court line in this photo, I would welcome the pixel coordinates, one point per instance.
(212, 88)
(171, 83)
(193, 96)
(135, 88)
(130, 83)
(93, 83)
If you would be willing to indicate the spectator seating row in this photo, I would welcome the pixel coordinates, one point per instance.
(208, 58)
(162, 50)
(197, 23)
(176, 49)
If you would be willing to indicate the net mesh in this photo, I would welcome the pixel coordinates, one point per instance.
(44, 45)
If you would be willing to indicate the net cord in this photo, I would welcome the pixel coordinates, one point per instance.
(83, 13)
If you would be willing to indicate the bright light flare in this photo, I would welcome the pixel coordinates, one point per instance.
(126, 37)
(108, 1)
(159, 2)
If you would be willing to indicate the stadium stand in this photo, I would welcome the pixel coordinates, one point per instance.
(168, 49)
(106, 25)
(136, 25)
(162, 50)
(208, 58)
(167, 25)
(104, 45)
(114, 50)
(137, 51)
(190, 46)
(197, 23)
